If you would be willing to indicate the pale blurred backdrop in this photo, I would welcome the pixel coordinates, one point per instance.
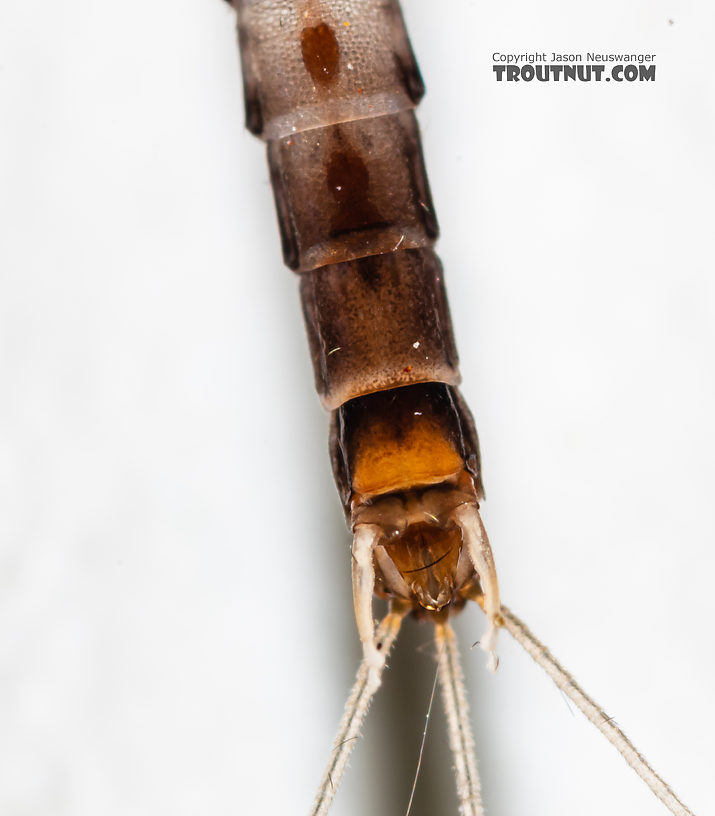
(176, 631)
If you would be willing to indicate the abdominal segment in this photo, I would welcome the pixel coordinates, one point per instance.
(400, 439)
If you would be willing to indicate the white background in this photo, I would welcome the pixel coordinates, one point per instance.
(176, 629)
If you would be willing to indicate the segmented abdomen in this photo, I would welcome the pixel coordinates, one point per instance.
(331, 87)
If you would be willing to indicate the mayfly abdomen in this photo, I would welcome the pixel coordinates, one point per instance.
(330, 86)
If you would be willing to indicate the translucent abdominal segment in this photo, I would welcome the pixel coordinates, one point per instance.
(309, 64)
(350, 190)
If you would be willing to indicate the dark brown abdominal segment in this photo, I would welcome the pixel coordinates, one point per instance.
(378, 323)
(321, 53)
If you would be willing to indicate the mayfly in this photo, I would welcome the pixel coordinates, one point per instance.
(331, 87)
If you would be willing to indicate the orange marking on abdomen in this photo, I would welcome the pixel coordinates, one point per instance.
(390, 458)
